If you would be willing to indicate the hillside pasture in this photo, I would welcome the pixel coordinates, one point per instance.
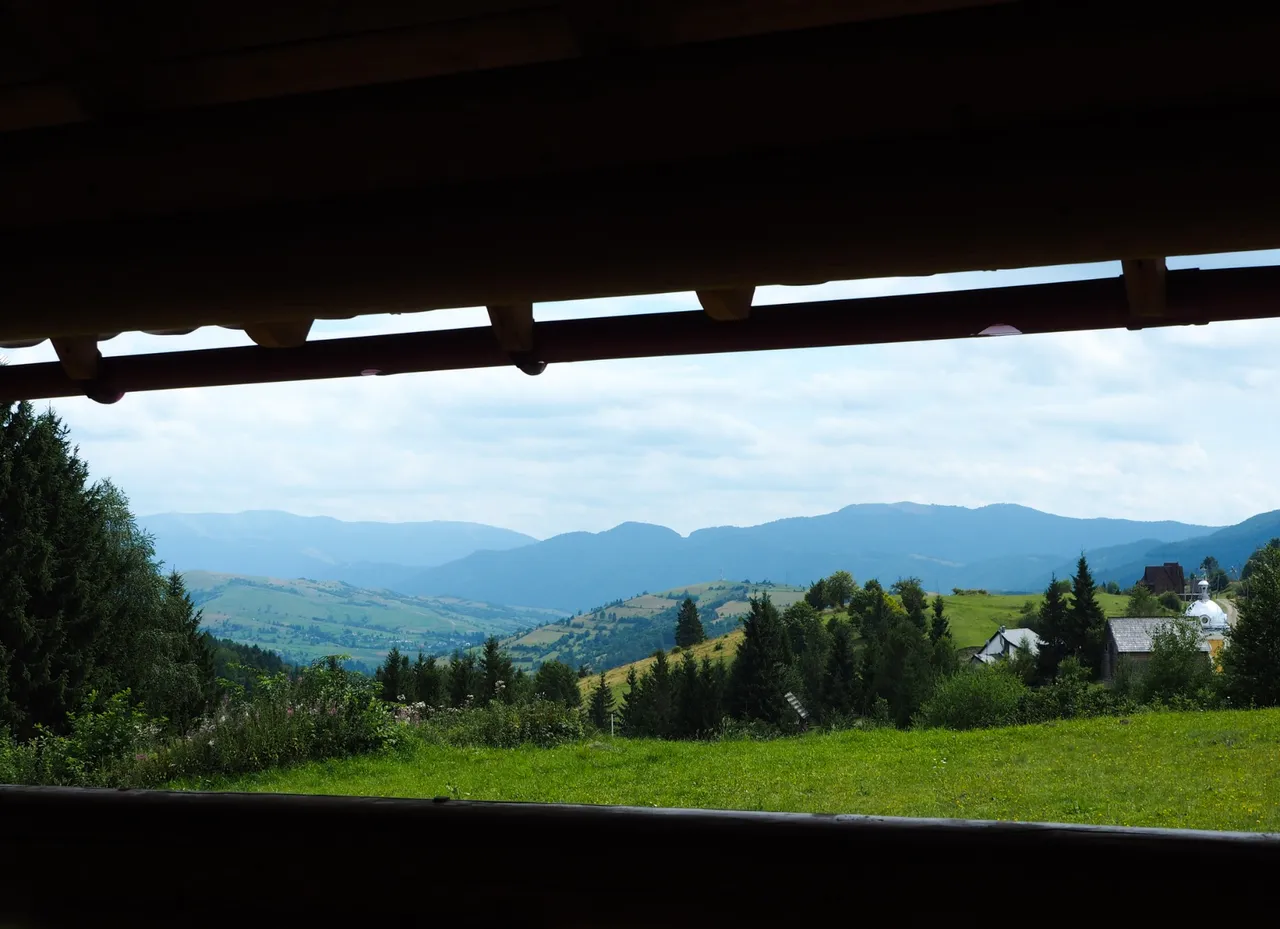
(1176, 770)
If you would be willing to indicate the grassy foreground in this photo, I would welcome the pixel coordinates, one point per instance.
(1182, 770)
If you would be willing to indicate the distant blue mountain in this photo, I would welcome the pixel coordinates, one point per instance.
(276, 544)
(1231, 546)
(1003, 546)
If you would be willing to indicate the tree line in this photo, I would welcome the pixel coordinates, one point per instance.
(880, 654)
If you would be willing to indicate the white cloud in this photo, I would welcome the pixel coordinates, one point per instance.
(1154, 424)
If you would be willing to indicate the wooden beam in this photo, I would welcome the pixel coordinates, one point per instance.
(1144, 282)
(727, 305)
(1195, 297)
(284, 334)
(205, 59)
(79, 356)
(513, 326)
(934, 78)
(804, 216)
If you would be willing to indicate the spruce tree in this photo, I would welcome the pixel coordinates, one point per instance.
(939, 626)
(1053, 626)
(762, 672)
(662, 696)
(464, 680)
(635, 709)
(688, 626)
(689, 695)
(428, 681)
(714, 681)
(1088, 624)
(602, 703)
(1251, 660)
(390, 676)
(496, 670)
(558, 682)
(817, 595)
(840, 682)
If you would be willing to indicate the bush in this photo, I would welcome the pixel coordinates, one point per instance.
(539, 722)
(1071, 695)
(977, 698)
(325, 712)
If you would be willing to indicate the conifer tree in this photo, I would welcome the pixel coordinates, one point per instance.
(840, 683)
(602, 704)
(464, 680)
(817, 595)
(1251, 660)
(762, 673)
(634, 709)
(496, 671)
(428, 680)
(689, 696)
(689, 629)
(1054, 628)
(394, 677)
(939, 625)
(557, 681)
(714, 681)
(661, 690)
(1088, 624)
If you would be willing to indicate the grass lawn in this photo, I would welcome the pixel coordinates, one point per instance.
(1181, 770)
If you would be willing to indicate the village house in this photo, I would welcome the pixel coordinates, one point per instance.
(1164, 578)
(1004, 643)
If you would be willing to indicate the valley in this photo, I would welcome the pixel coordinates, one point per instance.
(304, 620)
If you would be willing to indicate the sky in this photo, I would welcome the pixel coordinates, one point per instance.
(1175, 423)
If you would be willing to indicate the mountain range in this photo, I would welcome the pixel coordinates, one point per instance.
(281, 545)
(998, 547)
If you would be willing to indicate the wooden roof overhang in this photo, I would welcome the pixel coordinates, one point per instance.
(260, 165)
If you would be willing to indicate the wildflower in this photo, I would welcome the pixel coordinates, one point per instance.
(288, 711)
(140, 757)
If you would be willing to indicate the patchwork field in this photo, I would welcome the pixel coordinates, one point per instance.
(305, 619)
(628, 630)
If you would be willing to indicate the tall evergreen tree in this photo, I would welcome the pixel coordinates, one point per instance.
(841, 685)
(899, 669)
(1251, 660)
(394, 676)
(495, 670)
(428, 680)
(464, 679)
(688, 695)
(688, 626)
(633, 704)
(939, 625)
(602, 703)
(810, 643)
(762, 673)
(1088, 623)
(557, 681)
(83, 606)
(662, 697)
(1053, 625)
(714, 681)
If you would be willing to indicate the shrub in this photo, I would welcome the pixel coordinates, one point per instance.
(326, 711)
(977, 698)
(539, 722)
(1072, 694)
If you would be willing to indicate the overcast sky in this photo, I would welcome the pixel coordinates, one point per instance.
(1088, 424)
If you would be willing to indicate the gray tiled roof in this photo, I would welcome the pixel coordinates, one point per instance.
(1134, 634)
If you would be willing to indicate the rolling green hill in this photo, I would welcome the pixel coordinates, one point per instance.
(627, 630)
(305, 619)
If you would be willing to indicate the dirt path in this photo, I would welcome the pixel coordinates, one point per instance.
(1229, 608)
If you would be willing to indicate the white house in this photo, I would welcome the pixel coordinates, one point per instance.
(1004, 643)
